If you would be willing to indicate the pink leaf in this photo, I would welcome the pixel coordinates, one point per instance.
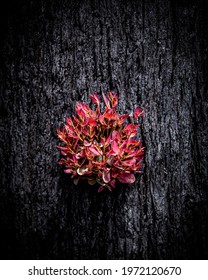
(123, 146)
(127, 178)
(68, 171)
(87, 109)
(101, 119)
(114, 147)
(106, 176)
(87, 144)
(82, 170)
(95, 151)
(69, 128)
(79, 155)
(130, 162)
(108, 141)
(110, 160)
(62, 148)
(116, 135)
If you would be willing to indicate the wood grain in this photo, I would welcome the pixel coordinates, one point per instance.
(153, 53)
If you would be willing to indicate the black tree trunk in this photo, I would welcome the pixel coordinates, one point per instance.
(153, 53)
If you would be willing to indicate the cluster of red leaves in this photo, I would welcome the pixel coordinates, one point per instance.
(101, 147)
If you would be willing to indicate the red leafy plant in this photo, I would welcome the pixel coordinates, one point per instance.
(101, 147)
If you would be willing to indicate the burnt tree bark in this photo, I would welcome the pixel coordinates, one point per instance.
(153, 53)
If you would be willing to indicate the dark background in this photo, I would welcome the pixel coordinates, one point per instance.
(153, 53)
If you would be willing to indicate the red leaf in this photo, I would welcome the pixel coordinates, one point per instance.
(95, 98)
(110, 114)
(113, 99)
(92, 122)
(122, 118)
(138, 112)
(112, 183)
(107, 103)
(69, 121)
(101, 188)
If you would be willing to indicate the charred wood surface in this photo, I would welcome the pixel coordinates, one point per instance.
(152, 53)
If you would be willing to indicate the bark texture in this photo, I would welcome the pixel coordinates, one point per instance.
(153, 53)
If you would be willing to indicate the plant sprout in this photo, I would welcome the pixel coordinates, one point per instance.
(101, 147)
